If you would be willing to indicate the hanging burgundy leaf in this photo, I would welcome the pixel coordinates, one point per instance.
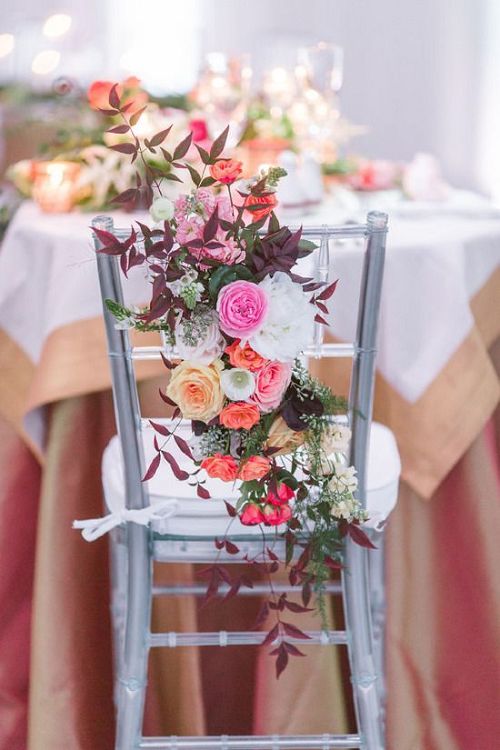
(167, 362)
(165, 398)
(231, 548)
(294, 607)
(327, 293)
(271, 636)
(210, 228)
(120, 129)
(124, 148)
(178, 472)
(333, 564)
(231, 511)
(359, 536)
(113, 98)
(319, 319)
(183, 147)
(294, 632)
(109, 112)
(233, 590)
(126, 197)
(272, 555)
(195, 176)
(135, 258)
(322, 307)
(152, 469)
(204, 155)
(292, 649)
(183, 446)
(282, 659)
(160, 428)
(202, 492)
(106, 238)
(134, 119)
(219, 144)
(124, 264)
(306, 593)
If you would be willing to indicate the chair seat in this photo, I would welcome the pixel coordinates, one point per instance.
(204, 519)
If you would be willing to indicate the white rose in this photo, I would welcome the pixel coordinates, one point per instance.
(289, 324)
(237, 383)
(162, 209)
(345, 479)
(199, 339)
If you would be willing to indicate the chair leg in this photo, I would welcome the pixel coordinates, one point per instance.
(360, 645)
(376, 561)
(131, 687)
(118, 576)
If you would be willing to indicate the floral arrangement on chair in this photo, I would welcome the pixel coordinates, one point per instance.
(229, 302)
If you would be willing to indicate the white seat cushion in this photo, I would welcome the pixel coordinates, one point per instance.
(197, 517)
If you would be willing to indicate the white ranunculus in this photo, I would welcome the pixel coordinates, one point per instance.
(289, 324)
(237, 383)
(345, 479)
(199, 339)
(162, 209)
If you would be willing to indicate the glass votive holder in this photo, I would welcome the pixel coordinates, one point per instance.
(54, 188)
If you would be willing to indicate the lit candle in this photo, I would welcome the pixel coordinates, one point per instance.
(54, 187)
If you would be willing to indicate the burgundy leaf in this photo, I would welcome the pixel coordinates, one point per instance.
(168, 364)
(120, 129)
(109, 112)
(183, 446)
(210, 228)
(359, 536)
(159, 137)
(281, 661)
(202, 492)
(292, 649)
(106, 238)
(233, 590)
(126, 197)
(219, 543)
(231, 511)
(114, 99)
(219, 144)
(271, 636)
(272, 555)
(327, 293)
(306, 593)
(134, 119)
(294, 607)
(183, 147)
(204, 155)
(294, 632)
(124, 263)
(321, 306)
(165, 398)
(332, 564)
(178, 472)
(152, 469)
(231, 548)
(156, 444)
(160, 428)
(319, 319)
(125, 148)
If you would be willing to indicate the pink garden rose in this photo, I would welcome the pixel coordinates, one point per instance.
(242, 308)
(283, 495)
(190, 229)
(228, 254)
(274, 515)
(252, 515)
(271, 381)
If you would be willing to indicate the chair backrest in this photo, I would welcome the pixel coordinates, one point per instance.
(362, 350)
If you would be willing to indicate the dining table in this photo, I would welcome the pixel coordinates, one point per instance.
(436, 387)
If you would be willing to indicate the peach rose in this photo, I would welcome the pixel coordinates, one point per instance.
(220, 467)
(254, 467)
(196, 390)
(282, 437)
(271, 381)
(268, 203)
(226, 170)
(239, 416)
(98, 94)
(244, 356)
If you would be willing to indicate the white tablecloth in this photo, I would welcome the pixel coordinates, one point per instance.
(435, 264)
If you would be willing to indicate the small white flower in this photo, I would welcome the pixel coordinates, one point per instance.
(346, 508)
(345, 479)
(162, 209)
(336, 439)
(237, 383)
(199, 339)
(196, 445)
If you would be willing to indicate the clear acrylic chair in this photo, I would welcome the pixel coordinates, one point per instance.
(158, 521)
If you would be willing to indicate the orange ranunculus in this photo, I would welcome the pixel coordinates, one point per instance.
(244, 356)
(267, 201)
(98, 93)
(239, 416)
(220, 467)
(254, 467)
(226, 170)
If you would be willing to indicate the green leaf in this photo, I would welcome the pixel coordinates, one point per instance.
(226, 275)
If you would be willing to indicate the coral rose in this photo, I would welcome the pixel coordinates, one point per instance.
(251, 515)
(273, 516)
(98, 94)
(254, 467)
(267, 201)
(244, 356)
(196, 390)
(226, 170)
(239, 416)
(242, 308)
(220, 467)
(282, 437)
(270, 384)
(282, 496)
